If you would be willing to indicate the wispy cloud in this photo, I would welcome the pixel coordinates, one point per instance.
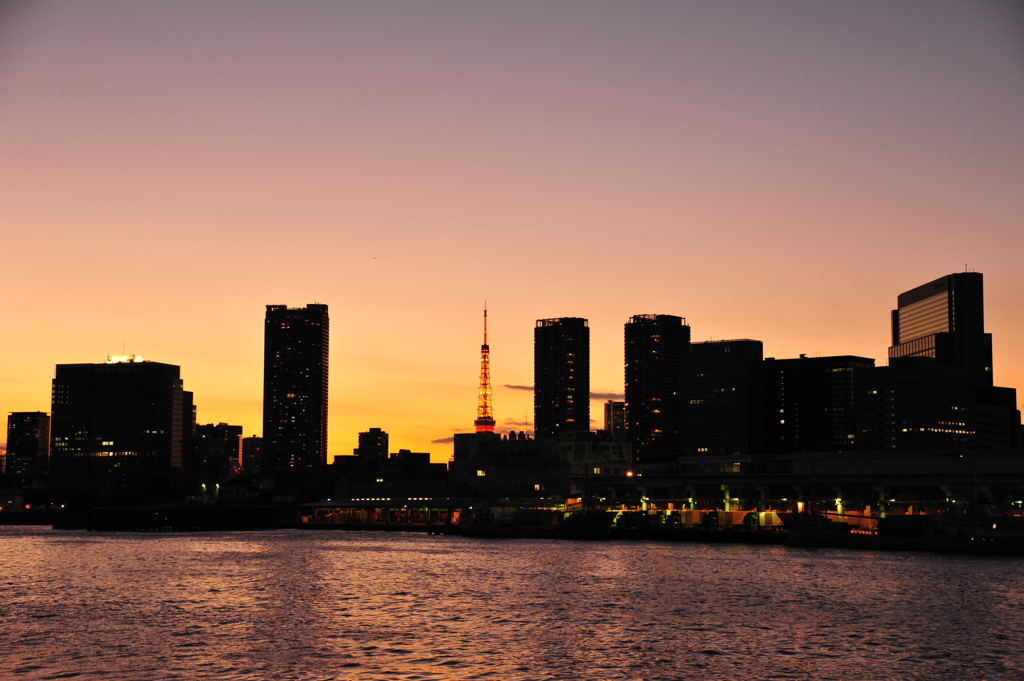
(593, 395)
(513, 422)
(444, 441)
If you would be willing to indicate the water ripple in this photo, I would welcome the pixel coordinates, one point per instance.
(310, 606)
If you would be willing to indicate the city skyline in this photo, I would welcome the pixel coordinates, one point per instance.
(166, 172)
(316, 315)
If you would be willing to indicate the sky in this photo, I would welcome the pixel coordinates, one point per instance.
(777, 171)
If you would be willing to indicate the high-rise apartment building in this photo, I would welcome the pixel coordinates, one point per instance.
(117, 427)
(561, 376)
(295, 387)
(657, 347)
(28, 443)
(943, 322)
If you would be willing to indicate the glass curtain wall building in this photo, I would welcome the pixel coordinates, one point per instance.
(943, 322)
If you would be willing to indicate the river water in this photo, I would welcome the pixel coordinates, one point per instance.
(352, 605)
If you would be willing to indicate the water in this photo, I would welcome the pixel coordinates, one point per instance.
(339, 605)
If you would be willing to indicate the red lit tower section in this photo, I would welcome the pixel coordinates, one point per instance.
(484, 414)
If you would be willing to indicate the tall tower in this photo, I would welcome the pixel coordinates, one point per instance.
(561, 376)
(484, 414)
(657, 346)
(295, 387)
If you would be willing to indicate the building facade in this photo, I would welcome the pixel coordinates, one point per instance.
(510, 465)
(615, 419)
(937, 392)
(943, 322)
(561, 376)
(810, 403)
(656, 349)
(373, 444)
(252, 455)
(28, 443)
(117, 427)
(214, 455)
(295, 387)
(724, 410)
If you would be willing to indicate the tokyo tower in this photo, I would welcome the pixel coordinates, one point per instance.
(484, 415)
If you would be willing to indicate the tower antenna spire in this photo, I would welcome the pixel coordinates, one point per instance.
(484, 413)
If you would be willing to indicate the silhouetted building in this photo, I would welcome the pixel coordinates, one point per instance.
(252, 455)
(657, 347)
(561, 376)
(600, 465)
(933, 407)
(188, 423)
(408, 466)
(295, 387)
(615, 419)
(214, 455)
(937, 391)
(373, 443)
(943, 322)
(810, 403)
(28, 443)
(117, 427)
(511, 465)
(724, 410)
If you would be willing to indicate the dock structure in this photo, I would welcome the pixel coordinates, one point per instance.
(385, 514)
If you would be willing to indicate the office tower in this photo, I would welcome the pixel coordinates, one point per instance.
(484, 411)
(28, 443)
(117, 426)
(723, 414)
(810, 403)
(615, 419)
(373, 444)
(656, 351)
(295, 387)
(943, 322)
(937, 391)
(561, 376)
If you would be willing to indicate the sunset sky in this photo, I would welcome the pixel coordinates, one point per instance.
(777, 171)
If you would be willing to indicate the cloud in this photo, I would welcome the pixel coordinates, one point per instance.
(593, 396)
(513, 422)
(444, 440)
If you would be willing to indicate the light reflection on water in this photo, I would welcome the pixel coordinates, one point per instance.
(338, 605)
